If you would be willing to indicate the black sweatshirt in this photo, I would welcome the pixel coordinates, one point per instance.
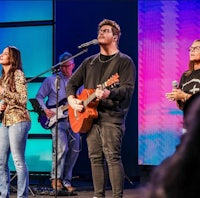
(93, 71)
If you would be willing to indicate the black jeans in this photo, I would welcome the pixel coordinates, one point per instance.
(104, 143)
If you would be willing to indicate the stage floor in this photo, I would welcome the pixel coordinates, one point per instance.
(128, 193)
(83, 190)
(40, 187)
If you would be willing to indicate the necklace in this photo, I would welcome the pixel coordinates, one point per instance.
(109, 59)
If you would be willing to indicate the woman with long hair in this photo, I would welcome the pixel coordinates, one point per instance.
(15, 122)
(190, 79)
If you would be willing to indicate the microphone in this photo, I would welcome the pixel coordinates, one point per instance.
(57, 83)
(175, 84)
(85, 45)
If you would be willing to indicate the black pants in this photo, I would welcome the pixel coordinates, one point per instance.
(104, 143)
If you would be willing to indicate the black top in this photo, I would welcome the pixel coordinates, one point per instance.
(190, 84)
(97, 70)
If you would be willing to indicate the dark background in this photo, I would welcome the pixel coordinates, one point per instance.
(76, 23)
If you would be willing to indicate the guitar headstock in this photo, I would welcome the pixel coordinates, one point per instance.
(113, 80)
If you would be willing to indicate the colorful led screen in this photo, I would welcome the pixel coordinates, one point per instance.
(166, 30)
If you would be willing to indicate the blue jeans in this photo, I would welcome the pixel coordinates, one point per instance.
(67, 152)
(13, 140)
(104, 145)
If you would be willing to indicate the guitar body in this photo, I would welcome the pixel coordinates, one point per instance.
(82, 121)
(48, 123)
(45, 122)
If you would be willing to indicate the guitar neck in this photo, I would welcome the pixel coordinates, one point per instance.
(89, 99)
(92, 96)
(114, 79)
(64, 107)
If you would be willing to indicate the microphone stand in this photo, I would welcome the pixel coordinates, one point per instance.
(58, 64)
(57, 84)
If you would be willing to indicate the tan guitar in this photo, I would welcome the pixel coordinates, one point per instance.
(82, 121)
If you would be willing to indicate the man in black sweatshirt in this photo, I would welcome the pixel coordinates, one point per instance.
(100, 110)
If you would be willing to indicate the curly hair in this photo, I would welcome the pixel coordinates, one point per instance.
(115, 27)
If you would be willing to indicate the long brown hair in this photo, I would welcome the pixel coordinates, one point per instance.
(191, 63)
(16, 63)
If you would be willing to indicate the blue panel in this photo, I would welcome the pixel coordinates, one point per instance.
(36, 128)
(14, 11)
(38, 155)
(35, 44)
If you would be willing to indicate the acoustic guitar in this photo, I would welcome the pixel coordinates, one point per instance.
(82, 121)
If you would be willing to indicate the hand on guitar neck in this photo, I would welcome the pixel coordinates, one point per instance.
(77, 104)
(101, 93)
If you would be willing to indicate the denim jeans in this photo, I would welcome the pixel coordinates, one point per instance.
(104, 145)
(13, 140)
(67, 152)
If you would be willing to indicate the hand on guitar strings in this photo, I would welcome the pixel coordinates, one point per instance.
(75, 103)
(101, 93)
(49, 113)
